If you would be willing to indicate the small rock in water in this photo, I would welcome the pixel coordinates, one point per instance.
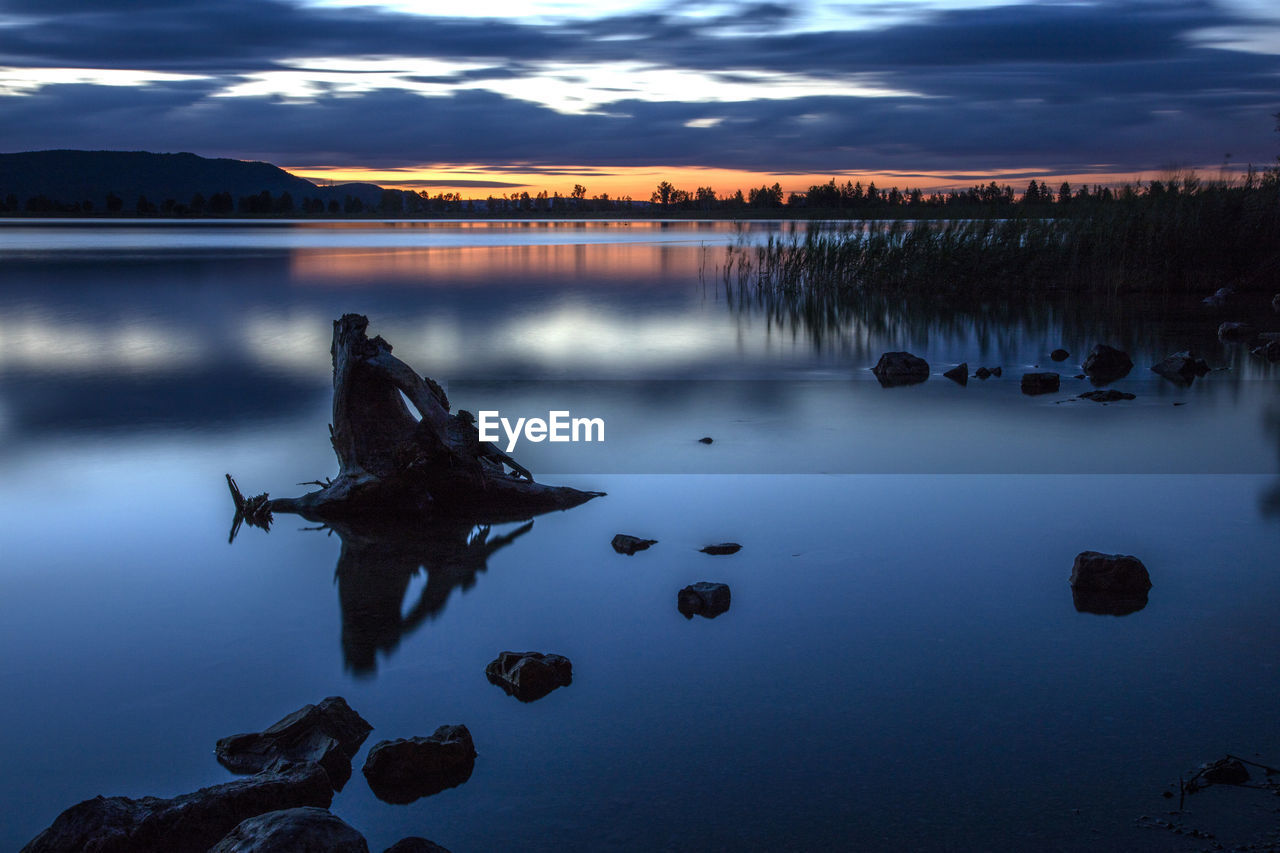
(400, 771)
(706, 439)
(329, 733)
(703, 599)
(900, 368)
(529, 675)
(1059, 355)
(625, 544)
(997, 372)
(1182, 368)
(1109, 584)
(1039, 383)
(293, 831)
(1235, 331)
(1224, 771)
(959, 373)
(722, 549)
(1108, 396)
(1219, 297)
(1107, 364)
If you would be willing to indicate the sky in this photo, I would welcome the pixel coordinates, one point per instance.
(495, 96)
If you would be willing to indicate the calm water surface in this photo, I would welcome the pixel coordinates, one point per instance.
(902, 666)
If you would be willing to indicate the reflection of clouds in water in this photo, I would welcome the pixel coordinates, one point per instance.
(141, 344)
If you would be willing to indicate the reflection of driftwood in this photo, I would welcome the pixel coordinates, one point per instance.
(377, 565)
(393, 463)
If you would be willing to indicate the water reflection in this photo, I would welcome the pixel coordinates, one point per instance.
(377, 568)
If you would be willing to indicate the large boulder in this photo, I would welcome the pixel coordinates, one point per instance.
(402, 770)
(1182, 368)
(624, 543)
(959, 374)
(1107, 364)
(1059, 355)
(329, 733)
(1040, 383)
(301, 830)
(703, 599)
(190, 823)
(900, 368)
(529, 675)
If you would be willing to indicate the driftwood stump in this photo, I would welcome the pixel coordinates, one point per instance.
(392, 463)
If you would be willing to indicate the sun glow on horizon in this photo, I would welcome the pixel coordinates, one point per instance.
(475, 181)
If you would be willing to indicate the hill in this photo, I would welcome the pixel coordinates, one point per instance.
(68, 178)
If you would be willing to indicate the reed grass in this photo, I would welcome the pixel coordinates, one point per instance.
(1184, 242)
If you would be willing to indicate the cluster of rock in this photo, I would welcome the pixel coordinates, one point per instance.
(704, 598)
(296, 765)
(1103, 365)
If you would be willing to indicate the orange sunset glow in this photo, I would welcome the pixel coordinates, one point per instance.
(638, 182)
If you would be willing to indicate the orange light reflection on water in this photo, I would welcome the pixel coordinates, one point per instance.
(478, 265)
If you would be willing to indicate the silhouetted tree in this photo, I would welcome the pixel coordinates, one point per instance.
(115, 204)
(662, 195)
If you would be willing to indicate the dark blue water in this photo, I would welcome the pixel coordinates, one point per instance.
(902, 666)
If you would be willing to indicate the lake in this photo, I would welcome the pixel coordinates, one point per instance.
(902, 666)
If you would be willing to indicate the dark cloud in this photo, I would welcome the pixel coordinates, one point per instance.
(1059, 87)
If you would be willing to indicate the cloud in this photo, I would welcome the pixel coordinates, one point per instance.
(1060, 87)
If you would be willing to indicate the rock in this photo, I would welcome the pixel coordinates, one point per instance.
(1059, 355)
(1040, 383)
(624, 544)
(529, 675)
(959, 373)
(400, 771)
(900, 368)
(982, 372)
(1224, 771)
(329, 734)
(721, 549)
(997, 372)
(1235, 331)
(1107, 396)
(1270, 351)
(1182, 368)
(1109, 584)
(703, 599)
(415, 844)
(190, 823)
(1104, 572)
(301, 830)
(706, 439)
(1107, 364)
(1219, 297)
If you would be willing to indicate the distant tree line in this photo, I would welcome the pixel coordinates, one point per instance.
(830, 200)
